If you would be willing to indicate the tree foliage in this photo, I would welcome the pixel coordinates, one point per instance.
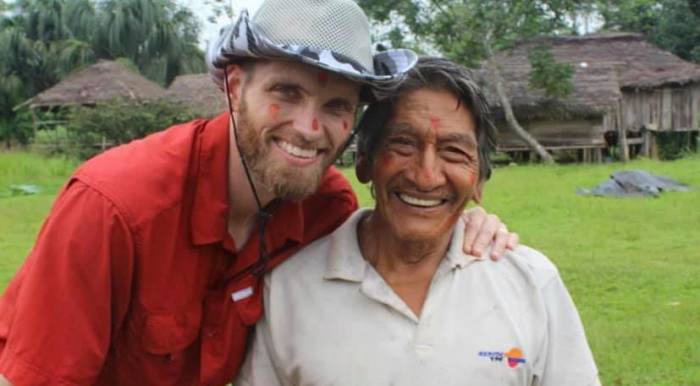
(119, 122)
(470, 32)
(546, 74)
(43, 40)
(671, 24)
(465, 30)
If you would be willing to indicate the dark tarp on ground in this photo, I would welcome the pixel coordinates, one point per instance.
(634, 183)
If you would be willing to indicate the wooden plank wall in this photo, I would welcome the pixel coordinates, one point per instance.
(575, 134)
(668, 109)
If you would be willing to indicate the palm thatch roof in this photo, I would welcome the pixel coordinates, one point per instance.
(605, 66)
(101, 82)
(198, 92)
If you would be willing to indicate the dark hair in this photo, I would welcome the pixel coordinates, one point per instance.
(435, 74)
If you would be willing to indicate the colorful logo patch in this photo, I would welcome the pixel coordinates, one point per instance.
(513, 357)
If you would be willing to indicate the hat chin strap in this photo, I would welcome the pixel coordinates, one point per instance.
(264, 213)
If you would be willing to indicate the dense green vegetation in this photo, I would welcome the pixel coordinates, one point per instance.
(632, 265)
(44, 40)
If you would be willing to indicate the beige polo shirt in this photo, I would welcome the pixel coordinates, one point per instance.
(330, 319)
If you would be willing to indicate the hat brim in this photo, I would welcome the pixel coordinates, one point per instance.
(242, 40)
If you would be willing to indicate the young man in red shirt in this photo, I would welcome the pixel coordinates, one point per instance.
(147, 270)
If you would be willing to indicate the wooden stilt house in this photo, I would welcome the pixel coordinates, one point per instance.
(626, 90)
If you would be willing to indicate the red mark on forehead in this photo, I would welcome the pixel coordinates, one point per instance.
(273, 110)
(323, 77)
(434, 122)
(314, 124)
(345, 125)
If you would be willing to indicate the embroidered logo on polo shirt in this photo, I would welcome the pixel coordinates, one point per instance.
(514, 356)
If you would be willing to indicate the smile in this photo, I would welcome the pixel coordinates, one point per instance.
(296, 151)
(419, 202)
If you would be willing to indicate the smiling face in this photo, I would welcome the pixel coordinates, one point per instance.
(427, 165)
(292, 120)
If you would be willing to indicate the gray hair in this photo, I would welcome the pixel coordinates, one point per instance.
(436, 74)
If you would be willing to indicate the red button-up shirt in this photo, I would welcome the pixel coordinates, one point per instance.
(134, 279)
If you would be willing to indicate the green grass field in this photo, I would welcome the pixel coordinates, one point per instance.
(632, 266)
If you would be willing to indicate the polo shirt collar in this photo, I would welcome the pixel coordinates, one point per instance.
(209, 218)
(345, 259)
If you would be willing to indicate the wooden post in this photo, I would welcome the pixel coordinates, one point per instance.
(586, 155)
(646, 144)
(598, 155)
(653, 148)
(622, 135)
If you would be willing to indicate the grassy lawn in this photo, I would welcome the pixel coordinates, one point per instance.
(22, 216)
(632, 266)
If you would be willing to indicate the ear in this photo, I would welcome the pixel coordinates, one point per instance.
(362, 168)
(479, 192)
(235, 78)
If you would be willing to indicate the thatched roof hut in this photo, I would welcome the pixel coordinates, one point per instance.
(621, 82)
(198, 92)
(604, 66)
(100, 82)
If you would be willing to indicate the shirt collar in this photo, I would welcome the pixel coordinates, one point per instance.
(345, 259)
(209, 219)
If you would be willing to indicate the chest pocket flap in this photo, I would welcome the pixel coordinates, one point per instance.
(168, 333)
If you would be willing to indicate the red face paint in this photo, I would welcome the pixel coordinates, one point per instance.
(434, 122)
(314, 124)
(323, 77)
(273, 110)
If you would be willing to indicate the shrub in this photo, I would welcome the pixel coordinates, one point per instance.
(16, 130)
(94, 129)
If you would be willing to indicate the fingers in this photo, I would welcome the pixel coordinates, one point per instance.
(487, 233)
(500, 243)
(513, 241)
(474, 219)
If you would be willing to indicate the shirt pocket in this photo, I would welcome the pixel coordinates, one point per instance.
(247, 297)
(161, 348)
(171, 334)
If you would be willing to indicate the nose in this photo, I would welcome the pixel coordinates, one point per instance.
(426, 172)
(308, 122)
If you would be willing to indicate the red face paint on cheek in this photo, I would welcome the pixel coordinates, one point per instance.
(273, 111)
(386, 161)
(323, 77)
(314, 124)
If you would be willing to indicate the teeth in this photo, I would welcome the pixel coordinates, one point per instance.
(297, 151)
(418, 202)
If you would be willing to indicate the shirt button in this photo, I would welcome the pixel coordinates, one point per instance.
(211, 333)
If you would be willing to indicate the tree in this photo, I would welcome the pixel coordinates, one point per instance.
(472, 31)
(671, 24)
(546, 74)
(157, 35)
(44, 40)
(694, 6)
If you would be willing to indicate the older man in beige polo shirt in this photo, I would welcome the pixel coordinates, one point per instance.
(390, 298)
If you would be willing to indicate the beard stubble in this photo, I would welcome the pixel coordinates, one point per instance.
(282, 180)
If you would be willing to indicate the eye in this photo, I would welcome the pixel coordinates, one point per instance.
(401, 145)
(456, 154)
(286, 91)
(340, 106)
